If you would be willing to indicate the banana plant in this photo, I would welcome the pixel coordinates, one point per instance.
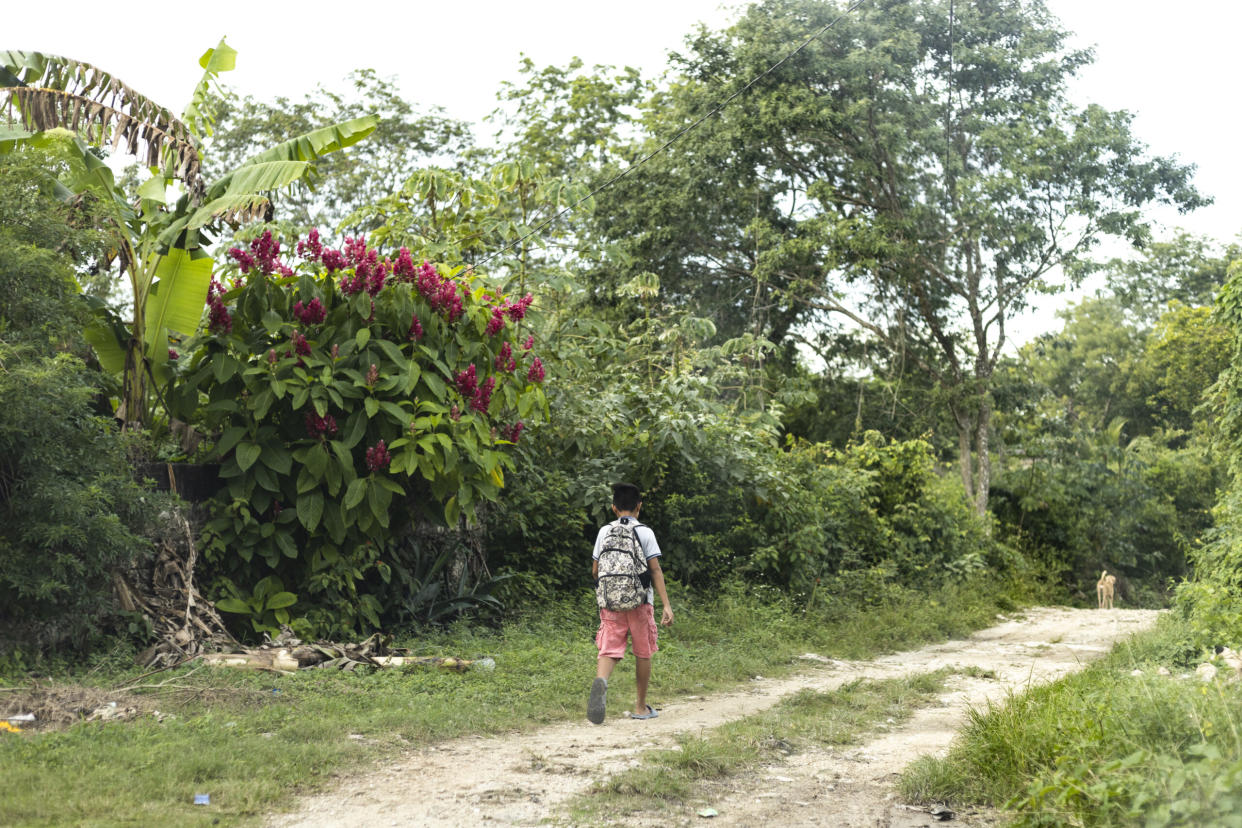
(70, 109)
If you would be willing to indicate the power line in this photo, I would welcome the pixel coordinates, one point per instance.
(676, 137)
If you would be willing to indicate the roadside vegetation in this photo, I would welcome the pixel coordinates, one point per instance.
(409, 407)
(253, 741)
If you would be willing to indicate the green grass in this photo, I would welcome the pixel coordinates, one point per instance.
(253, 749)
(1102, 747)
(674, 778)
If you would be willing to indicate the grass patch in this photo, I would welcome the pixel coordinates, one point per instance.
(806, 720)
(253, 741)
(1102, 747)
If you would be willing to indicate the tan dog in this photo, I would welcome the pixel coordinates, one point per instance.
(1104, 589)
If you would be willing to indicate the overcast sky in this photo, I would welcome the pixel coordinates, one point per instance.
(1171, 64)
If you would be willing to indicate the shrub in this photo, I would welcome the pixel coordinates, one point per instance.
(69, 508)
(353, 397)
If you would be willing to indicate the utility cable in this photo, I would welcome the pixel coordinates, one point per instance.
(685, 130)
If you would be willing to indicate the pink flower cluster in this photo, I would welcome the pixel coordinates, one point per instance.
(218, 320)
(378, 457)
(483, 396)
(372, 375)
(497, 322)
(536, 372)
(416, 328)
(300, 346)
(480, 395)
(333, 260)
(404, 268)
(513, 310)
(468, 381)
(311, 249)
(529, 343)
(264, 256)
(517, 310)
(311, 314)
(439, 291)
(320, 426)
(505, 360)
(369, 272)
(513, 433)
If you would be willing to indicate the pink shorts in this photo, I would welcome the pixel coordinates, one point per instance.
(637, 624)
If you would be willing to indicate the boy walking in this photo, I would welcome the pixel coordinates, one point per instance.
(626, 565)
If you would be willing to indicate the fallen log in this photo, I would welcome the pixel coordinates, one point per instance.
(325, 656)
(274, 661)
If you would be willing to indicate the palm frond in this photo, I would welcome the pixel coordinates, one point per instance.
(57, 92)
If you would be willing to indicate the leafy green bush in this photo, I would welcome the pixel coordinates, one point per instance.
(353, 396)
(1080, 501)
(69, 507)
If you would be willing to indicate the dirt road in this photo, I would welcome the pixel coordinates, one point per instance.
(521, 779)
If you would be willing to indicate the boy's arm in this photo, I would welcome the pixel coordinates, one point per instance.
(595, 569)
(657, 580)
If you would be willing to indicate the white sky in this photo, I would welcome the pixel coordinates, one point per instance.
(1171, 64)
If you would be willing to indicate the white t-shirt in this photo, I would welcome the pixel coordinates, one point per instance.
(646, 539)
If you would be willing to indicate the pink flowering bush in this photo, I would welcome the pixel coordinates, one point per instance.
(354, 393)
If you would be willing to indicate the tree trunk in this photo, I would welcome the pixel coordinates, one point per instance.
(983, 479)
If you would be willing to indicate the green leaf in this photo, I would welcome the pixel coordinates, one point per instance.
(281, 600)
(362, 338)
(234, 605)
(176, 301)
(248, 454)
(154, 189)
(310, 509)
(372, 406)
(283, 540)
(397, 413)
(277, 458)
(357, 428)
(316, 461)
(435, 385)
(355, 493)
(198, 114)
(272, 321)
(393, 352)
(307, 480)
(109, 349)
(309, 146)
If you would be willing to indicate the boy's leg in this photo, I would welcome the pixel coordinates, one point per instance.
(642, 675)
(611, 642)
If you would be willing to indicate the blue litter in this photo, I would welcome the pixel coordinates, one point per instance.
(202, 799)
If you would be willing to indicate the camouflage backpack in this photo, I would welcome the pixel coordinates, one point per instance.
(623, 572)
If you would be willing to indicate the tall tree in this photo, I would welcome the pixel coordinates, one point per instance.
(917, 168)
(403, 141)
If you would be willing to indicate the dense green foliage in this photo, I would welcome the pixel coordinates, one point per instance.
(352, 396)
(70, 511)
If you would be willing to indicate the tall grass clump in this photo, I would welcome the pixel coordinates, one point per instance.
(1103, 746)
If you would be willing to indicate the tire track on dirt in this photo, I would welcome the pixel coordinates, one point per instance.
(520, 779)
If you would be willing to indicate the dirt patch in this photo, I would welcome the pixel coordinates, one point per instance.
(522, 779)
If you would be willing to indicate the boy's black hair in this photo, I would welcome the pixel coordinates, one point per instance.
(626, 497)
